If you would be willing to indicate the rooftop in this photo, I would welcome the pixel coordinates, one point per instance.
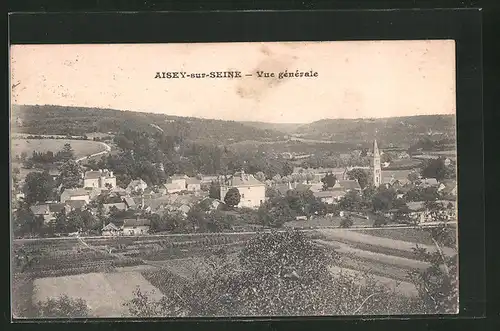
(98, 174)
(40, 209)
(193, 181)
(76, 191)
(242, 179)
(77, 204)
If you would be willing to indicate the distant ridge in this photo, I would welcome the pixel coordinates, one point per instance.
(48, 119)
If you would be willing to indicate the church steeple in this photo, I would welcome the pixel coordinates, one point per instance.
(377, 171)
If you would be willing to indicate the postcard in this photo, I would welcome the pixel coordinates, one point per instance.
(233, 179)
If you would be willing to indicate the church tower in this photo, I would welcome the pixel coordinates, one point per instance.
(377, 171)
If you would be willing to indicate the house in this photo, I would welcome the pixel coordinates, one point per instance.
(193, 184)
(129, 202)
(76, 204)
(136, 185)
(119, 191)
(417, 211)
(173, 188)
(179, 180)
(210, 204)
(134, 227)
(329, 196)
(99, 179)
(448, 187)
(429, 182)
(48, 211)
(43, 211)
(346, 185)
(121, 206)
(76, 194)
(252, 191)
(111, 230)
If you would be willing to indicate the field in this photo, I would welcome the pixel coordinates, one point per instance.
(161, 263)
(418, 236)
(81, 147)
(105, 293)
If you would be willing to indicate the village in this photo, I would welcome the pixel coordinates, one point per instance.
(340, 191)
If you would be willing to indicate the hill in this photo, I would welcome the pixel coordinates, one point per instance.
(395, 130)
(63, 120)
(287, 128)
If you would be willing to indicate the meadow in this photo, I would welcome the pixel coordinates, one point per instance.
(81, 147)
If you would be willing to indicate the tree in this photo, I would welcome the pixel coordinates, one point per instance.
(412, 176)
(346, 222)
(232, 197)
(60, 222)
(276, 273)
(214, 190)
(70, 175)
(434, 169)
(260, 176)
(383, 199)
(38, 187)
(360, 175)
(287, 169)
(63, 307)
(275, 213)
(329, 181)
(25, 222)
(66, 153)
(350, 201)
(438, 284)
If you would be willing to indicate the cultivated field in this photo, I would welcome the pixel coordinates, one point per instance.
(105, 272)
(81, 147)
(105, 293)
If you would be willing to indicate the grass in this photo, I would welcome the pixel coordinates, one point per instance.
(22, 292)
(81, 147)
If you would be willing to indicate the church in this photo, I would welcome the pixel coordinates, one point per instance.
(385, 177)
(377, 170)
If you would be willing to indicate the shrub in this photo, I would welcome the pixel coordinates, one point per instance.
(346, 222)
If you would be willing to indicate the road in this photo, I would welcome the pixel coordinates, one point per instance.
(107, 150)
(340, 230)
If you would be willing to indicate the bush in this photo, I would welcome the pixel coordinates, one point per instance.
(346, 222)
(380, 221)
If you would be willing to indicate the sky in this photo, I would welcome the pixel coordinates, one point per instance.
(355, 79)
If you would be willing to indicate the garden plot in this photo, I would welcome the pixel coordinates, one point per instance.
(104, 293)
(402, 287)
(354, 237)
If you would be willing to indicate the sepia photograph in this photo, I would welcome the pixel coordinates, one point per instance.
(236, 179)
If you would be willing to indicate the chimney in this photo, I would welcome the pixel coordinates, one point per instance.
(100, 171)
(290, 185)
(111, 174)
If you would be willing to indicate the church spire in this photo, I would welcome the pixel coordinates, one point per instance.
(377, 171)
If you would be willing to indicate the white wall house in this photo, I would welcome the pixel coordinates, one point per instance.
(137, 184)
(179, 180)
(99, 179)
(252, 191)
(193, 184)
(135, 227)
(75, 194)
